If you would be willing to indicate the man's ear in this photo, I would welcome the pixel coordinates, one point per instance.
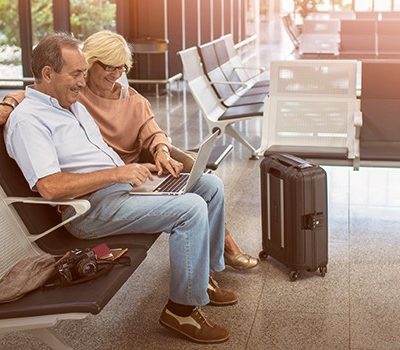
(47, 73)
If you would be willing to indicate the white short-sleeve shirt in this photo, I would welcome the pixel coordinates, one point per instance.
(45, 138)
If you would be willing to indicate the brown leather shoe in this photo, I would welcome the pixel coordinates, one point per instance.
(241, 261)
(195, 327)
(219, 296)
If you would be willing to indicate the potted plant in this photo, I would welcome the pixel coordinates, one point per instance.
(304, 7)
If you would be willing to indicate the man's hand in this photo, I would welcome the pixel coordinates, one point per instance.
(67, 185)
(164, 163)
(134, 173)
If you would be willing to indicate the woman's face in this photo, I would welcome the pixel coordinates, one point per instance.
(104, 76)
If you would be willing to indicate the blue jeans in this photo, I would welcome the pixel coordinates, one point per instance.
(195, 222)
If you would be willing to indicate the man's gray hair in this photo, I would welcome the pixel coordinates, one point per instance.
(48, 53)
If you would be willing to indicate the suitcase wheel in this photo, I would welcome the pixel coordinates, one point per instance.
(294, 275)
(323, 270)
(263, 255)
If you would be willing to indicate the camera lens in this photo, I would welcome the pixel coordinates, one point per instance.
(86, 267)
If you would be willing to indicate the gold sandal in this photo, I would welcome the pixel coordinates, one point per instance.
(241, 261)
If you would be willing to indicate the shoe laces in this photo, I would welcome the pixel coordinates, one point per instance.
(213, 283)
(201, 317)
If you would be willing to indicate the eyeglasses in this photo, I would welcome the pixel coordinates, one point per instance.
(108, 68)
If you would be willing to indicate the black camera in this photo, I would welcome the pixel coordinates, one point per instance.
(77, 264)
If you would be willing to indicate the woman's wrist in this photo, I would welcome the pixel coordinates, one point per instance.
(161, 148)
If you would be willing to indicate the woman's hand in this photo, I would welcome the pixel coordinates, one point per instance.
(164, 163)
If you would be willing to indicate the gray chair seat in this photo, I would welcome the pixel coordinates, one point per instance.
(88, 297)
(309, 152)
(242, 111)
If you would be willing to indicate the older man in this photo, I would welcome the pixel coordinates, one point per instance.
(61, 153)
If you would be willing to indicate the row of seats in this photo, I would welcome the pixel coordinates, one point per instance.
(312, 109)
(355, 14)
(346, 37)
(363, 37)
(313, 112)
(225, 90)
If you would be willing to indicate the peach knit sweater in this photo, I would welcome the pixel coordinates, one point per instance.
(127, 124)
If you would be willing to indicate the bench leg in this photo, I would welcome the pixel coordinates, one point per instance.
(49, 337)
(231, 131)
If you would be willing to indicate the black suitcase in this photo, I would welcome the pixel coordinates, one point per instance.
(294, 213)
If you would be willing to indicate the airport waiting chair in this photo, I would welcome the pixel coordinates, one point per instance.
(388, 33)
(30, 226)
(358, 38)
(320, 37)
(231, 72)
(231, 93)
(246, 73)
(215, 113)
(390, 15)
(342, 14)
(322, 27)
(367, 15)
(380, 106)
(292, 31)
(312, 110)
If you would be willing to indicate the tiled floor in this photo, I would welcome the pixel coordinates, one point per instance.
(356, 305)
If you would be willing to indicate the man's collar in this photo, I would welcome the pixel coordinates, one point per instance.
(32, 92)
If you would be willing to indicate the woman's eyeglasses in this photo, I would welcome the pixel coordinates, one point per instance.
(108, 68)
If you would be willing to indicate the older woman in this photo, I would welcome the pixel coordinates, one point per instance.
(126, 120)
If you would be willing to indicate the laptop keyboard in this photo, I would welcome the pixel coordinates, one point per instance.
(173, 184)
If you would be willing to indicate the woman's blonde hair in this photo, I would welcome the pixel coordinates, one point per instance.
(107, 47)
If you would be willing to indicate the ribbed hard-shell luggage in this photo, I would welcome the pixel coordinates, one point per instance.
(294, 213)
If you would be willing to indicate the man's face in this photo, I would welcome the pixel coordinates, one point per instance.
(66, 85)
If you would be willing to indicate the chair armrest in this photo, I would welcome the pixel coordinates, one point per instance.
(80, 206)
(353, 135)
(261, 69)
(358, 122)
(218, 154)
(356, 160)
(230, 83)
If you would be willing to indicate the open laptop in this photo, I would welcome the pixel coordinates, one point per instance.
(169, 185)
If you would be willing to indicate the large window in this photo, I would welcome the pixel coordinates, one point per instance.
(342, 5)
(383, 5)
(10, 46)
(90, 16)
(363, 5)
(42, 19)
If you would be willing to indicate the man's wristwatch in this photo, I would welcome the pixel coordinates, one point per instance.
(9, 101)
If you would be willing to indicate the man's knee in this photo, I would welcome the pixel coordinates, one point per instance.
(212, 183)
(193, 204)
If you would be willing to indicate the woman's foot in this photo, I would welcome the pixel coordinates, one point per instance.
(240, 261)
(235, 257)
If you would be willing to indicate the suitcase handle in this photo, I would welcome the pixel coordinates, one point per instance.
(292, 161)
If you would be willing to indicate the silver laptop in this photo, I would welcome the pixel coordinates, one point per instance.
(169, 185)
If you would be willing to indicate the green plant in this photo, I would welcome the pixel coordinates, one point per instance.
(304, 7)
(9, 29)
(87, 17)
